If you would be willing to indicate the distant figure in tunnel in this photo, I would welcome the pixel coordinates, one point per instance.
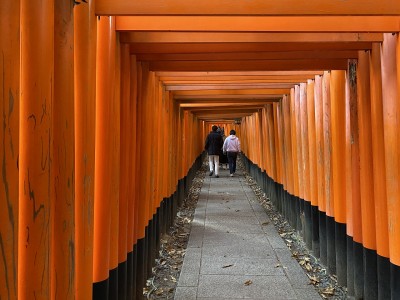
(213, 147)
(232, 148)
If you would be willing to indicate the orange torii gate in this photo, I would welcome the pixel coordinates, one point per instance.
(104, 120)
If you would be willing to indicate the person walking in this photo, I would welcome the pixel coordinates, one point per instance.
(213, 147)
(232, 148)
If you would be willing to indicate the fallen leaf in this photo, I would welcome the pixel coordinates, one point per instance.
(159, 292)
(308, 267)
(248, 282)
(227, 266)
(330, 291)
(314, 280)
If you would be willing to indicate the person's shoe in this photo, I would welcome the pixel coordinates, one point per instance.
(231, 175)
(216, 176)
(211, 172)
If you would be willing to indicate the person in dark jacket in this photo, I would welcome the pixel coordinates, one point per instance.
(213, 147)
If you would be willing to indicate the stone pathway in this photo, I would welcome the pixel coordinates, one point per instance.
(234, 250)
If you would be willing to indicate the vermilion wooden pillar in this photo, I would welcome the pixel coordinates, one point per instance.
(312, 142)
(319, 141)
(366, 176)
(305, 164)
(142, 173)
(338, 125)
(63, 158)
(295, 198)
(299, 94)
(265, 134)
(103, 159)
(282, 162)
(327, 134)
(85, 96)
(124, 175)
(278, 143)
(379, 178)
(36, 86)
(288, 155)
(278, 155)
(9, 137)
(132, 203)
(391, 110)
(271, 137)
(114, 127)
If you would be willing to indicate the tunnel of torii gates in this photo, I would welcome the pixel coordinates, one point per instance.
(105, 109)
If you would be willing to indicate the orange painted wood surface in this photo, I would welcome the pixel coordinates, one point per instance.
(338, 127)
(319, 135)
(36, 88)
(378, 153)
(356, 225)
(157, 37)
(132, 204)
(327, 139)
(294, 142)
(288, 144)
(84, 106)
(260, 23)
(304, 142)
(62, 181)
(9, 137)
(366, 168)
(125, 154)
(272, 141)
(299, 94)
(103, 148)
(114, 158)
(391, 112)
(312, 142)
(287, 7)
(84, 145)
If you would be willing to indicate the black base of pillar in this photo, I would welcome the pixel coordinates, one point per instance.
(134, 271)
(341, 254)
(370, 275)
(129, 276)
(322, 238)
(140, 266)
(331, 248)
(113, 290)
(122, 280)
(100, 290)
(315, 231)
(358, 271)
(395, 281)
(383, 278)
(350, 267)
(308, 224)
(299, 211)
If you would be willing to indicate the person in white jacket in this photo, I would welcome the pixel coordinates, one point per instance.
(232, 148)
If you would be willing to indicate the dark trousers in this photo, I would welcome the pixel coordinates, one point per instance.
(232, 156)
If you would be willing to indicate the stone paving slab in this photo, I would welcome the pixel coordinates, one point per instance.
(232, 241)
(239, 266)
(233, 286)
